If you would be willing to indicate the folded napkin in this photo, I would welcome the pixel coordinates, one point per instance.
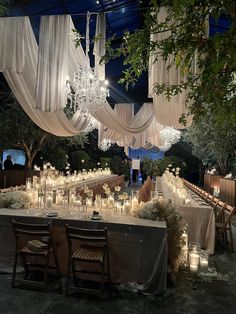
(36, 245)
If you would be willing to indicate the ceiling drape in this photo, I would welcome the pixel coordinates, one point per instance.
(167, 112)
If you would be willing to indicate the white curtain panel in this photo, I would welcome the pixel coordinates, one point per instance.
(12, 50)
(165, 72)
(99, 45)
(53, 56)
(23, 84)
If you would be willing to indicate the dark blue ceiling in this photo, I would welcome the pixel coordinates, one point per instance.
(121, 15)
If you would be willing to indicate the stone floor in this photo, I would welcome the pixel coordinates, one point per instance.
(214, 292)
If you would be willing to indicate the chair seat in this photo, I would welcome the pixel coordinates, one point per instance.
(89, 253)
(27, 250)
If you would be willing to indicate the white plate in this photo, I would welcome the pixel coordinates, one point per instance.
(52, 214)
(96, 217)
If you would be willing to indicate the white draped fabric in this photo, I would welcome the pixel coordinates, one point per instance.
(23, 84)
(53, 62)
(99, 45)
(166, 112)
(125, 112)
(139, 124)
(25, 71)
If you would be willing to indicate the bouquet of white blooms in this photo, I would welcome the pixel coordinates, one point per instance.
(15, 200)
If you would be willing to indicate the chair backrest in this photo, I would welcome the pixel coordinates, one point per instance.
(86, 235)
(26, 231)
(219, 208)
(229, 211)
(20, 228)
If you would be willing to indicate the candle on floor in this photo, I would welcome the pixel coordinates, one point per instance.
(193, 269)
(204, 261)
(194, 258)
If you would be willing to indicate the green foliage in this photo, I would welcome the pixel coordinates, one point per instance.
(213, 141)
(116, 165)
(76, 160)
(213, 87)
(105, 162)
(56, 155)
(157, 167)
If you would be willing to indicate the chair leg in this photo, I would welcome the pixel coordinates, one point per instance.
(67, 277)
(57, 268)
(108, 269)
(46, 273)
(102, 278)
(74, 272)
(25, 266)
(14, 271)
(231, 237)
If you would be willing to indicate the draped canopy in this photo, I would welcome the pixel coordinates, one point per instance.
(37, 75)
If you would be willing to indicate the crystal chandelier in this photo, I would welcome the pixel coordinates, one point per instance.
(91, 126)
(169, 136)
(105, 144)
(85, 92)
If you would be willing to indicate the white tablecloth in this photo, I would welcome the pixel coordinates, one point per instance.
(198, 216)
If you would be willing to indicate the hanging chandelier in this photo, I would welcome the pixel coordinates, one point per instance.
(170, 136)
(105, 144)
(85, 92)
(91, 126)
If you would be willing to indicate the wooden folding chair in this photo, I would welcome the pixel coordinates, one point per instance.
(224, 226)
(92, 250)
(35, 257)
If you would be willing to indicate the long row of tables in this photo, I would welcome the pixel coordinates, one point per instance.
(198, 216)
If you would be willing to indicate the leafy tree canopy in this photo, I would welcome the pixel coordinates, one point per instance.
(213, 142)
(213, 88)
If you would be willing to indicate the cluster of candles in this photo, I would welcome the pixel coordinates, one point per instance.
(52, 178)
(193, 256)
(198, 260)
(176, 185)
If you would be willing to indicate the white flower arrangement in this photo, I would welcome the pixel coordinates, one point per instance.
(88, 192)
(106, 189)
(15, 200)
(117, 188)
(123, 196)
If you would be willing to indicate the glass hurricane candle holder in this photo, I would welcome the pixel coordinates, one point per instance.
(204, 261)
(194, 256)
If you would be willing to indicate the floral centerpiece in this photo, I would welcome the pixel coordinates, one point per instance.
(106, 189)
(162, 210)
(122, 197)
(117, 189)
(15, 200)
(88, 192)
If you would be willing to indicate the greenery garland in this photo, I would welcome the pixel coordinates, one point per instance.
(162, 210)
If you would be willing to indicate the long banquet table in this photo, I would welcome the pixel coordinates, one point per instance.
(138, 251)
(198, 216)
